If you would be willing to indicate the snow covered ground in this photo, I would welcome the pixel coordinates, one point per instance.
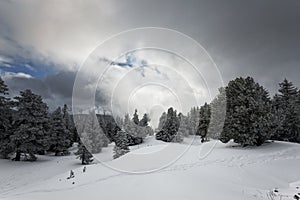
(202, 171)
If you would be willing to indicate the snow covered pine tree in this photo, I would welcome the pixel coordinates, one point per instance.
(31, 125)
(121, 147)
(248, 113)
(218, 114)
(204, 121)
(5, 120)
(170, 128)
(286, 107)
(60, 135)
(83, 154)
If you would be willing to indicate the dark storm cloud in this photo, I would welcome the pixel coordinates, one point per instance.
(254, 37)
(56, 89)
(38, 86)
(61, 83)
(259, 38)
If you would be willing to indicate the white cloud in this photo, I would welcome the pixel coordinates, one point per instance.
(9, 75)
(63, 32)
(29, 67)
(5, 61)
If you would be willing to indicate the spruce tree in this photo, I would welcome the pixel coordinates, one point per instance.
(205, 115)
(148, 130)
(144, 127)
(162, 120)
(31, 125)
(286, 108)
(5, 120)
(170, 128)
(135, 117)
(183, 130)
(137, 131)
(83, 154)
(93, 136)
(69, 125)
(60, 135)
(248, 113)
(194, 120)
(120, 121)
(218, 114)
(145, 120)
(121, 147)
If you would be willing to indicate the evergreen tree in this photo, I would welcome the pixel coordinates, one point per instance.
(5, 120)
(183, 130)
(144, 127)
(136, 130)
(84, 155)
(162, 120)
(248, 113)
(194, 116)
(120, 121)
(31, 125)
(69, 125)
(93, 136)
(145, 120)
(121, 147)
(135, 117)
(170, 128)
(288, 92)
(126, 122)
(148, 130)
(218, 114)
(286, 108)
(204, 121)
(60, 135)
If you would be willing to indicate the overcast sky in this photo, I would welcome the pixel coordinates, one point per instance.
(43, 43)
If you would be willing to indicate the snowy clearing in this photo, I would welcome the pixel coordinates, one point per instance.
(205, 171)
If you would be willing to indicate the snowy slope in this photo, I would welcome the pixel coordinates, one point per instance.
(209, 171)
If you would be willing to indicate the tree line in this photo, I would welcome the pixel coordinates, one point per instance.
(27, 128)
(243, 111)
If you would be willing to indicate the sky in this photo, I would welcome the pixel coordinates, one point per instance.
(43, 44)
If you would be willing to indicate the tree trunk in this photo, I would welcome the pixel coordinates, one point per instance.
(18, 156)
(83, 159)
